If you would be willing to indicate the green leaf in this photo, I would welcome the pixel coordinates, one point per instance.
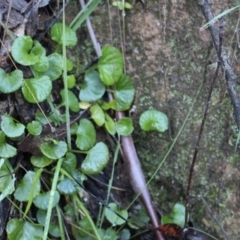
(177, 215)
(124, 93)
(7, 186)
(52, 150)
(110, 65)
(86, 135)
(67, 187)
(10, 82)
(92, 89)
(42, 65)
(112, 217)
(37, 89)
(57, 35)
(40, 161)
(6, 150)
(153, 120)
(5, 176)
(97, 115)
(42, 200)
(72, 100)
(19, 229)
(110, 124)
(124, 126)
(71, 81)
(97, 158)
(21, 51)
(34, 128)
(25, 186)
(70, 162)
(11, 127)
(121, 5)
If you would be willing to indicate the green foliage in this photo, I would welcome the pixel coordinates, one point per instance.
(177, 215)
(57, 35)
(56, 165)
(112, 217)
(110, 65)
(121, 5)
(153, 120)
(10, 82)
(19, 229)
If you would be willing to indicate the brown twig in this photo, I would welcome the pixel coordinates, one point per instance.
(230, 75)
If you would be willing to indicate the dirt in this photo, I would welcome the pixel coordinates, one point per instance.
(168, 58)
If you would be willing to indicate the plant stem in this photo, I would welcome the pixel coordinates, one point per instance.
(52, 193)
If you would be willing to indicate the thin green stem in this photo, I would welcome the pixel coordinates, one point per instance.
(51, 198)
(65, 82)
(84, 210)
(60, 223)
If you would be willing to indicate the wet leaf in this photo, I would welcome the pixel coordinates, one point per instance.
(57, 35)
(25, 186)
(153, 120)
(37, 89)
(54, 150)
(110, 65)
(92, 89)
(21, 51)
(124, 126)
(113, 218)
(97, 158)
(97, 115)
(11, 127)
(42, 200)
(86, 135)
(34, 128)
(10, 82)
(19, 229)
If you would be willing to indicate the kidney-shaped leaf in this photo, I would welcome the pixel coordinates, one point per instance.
(86, 135)
(110, 65)
(97, 158)
(72, 100)
(152, 120)
(42, 200)
(92, 89)
(124, 126)
(34, 128)
(113, 218)
(57, 34)
(37, 89)
(40, 161)
(10, 82)
(19, 229)
(177, 215)
(124, 94)
(25, 186)
(54, 150)
(11, 127)
(97, 115)
(21, 51)
(6, 150)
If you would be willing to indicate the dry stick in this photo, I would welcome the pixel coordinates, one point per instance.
(230, 75)
(130, 156)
